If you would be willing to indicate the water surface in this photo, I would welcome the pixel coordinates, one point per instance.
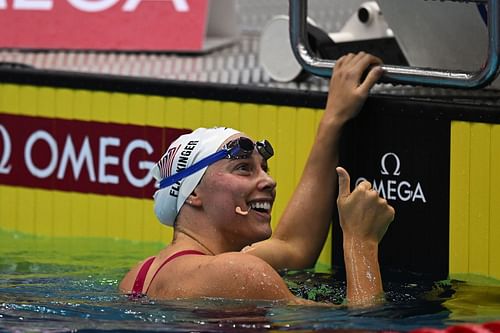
(58, 285)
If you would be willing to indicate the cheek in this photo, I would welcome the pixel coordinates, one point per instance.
(222, 187)
(220, 180)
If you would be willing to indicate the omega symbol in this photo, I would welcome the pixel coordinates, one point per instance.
(384, 167)
(394, 188)
(7, 149)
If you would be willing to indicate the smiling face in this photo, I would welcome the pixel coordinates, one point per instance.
(243, 183)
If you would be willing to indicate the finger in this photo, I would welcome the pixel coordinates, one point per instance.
(362, 60)
(339, 62)
(392, 213)
(344, 182)
(373, 76)
(364, 185)
(345, 59)
(375, 60)
(359, 58)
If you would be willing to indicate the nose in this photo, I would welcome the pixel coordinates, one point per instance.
(266, 182)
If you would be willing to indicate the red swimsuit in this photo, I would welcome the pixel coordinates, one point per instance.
(141, 276)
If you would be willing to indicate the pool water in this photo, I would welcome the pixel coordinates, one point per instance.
(49, 285)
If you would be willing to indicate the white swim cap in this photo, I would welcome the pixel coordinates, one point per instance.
(182, 153)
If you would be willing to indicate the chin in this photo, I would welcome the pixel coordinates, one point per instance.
(265, 234)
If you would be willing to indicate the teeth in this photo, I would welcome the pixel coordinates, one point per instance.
(261, 205)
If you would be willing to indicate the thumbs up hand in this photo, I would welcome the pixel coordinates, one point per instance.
(363, 214)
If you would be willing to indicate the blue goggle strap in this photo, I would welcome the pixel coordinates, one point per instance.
(210, 159)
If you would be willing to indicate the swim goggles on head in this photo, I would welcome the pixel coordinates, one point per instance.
(239, 148)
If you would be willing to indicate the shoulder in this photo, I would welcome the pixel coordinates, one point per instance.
(128, 280)
(233, 275)
(240, 275)
(238, 261)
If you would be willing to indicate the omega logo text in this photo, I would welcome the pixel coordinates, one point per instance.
(390, 186)
(80, 156)
(7, 150)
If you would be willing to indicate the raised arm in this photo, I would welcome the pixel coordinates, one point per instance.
(302, 230)
(364, 218)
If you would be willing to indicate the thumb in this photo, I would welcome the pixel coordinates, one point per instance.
(344, 182)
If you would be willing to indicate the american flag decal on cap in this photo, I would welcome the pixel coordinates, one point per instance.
(165, 164)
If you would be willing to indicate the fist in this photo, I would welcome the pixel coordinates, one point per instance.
(363, 214)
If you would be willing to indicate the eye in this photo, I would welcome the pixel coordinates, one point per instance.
(243, 167)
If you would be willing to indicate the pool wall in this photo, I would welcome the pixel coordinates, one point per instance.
(60, 206)
(435, 160)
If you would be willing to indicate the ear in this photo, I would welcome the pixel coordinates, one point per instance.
(194, 200)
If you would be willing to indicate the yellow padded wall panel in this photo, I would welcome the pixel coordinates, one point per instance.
(305, 132)
(268, 130)
(81, 108)
(459, 197)
(10, 99)
(211, 114)
(118, 105)
(267, 124)
(494, 232)
(136, 110)
(154, 231)
(192, 111)
(100, 106)
(479, 198)
(249, 119)
(134, 218)
(62, 214)
(2, 89)
(115, 218)
(97, 212)
(285, 155)
(173, 112)
(26, 210)
(28, 102)
(64, 104)
(474, 216)
(230, 114)
(44, 212)
(83, 210)
(155, 107)
(8, 205)
(46, 102)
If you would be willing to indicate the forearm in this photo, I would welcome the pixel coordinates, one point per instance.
(306, 220)
(302, 230)
(364, 282)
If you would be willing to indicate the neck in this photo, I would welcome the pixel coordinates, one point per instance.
(189, 236)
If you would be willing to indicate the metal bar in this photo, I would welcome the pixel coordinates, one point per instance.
(402, 74)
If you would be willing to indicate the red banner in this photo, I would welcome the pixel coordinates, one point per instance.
(177, 25)
(81, 156)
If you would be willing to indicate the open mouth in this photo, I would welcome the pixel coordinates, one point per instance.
(261, 206)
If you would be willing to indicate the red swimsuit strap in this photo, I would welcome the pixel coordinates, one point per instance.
(141, 276)
(169, 259)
